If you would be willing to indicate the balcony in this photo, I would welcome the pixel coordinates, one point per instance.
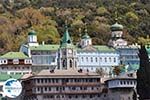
(83, 84)
(69, 84)
(47, 84)
(82, 92)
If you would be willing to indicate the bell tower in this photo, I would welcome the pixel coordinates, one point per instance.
(32, 38)
(67, 54)
(86, 40)
(116, 36)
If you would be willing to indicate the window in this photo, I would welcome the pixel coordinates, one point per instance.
(51, 96)
(49, 80)
(70, 97)
(96, 59)
(73, 88)
(49, 88)
(104, 95)
(114, 59)
(87, 59)
(128, 98)
(82, 58)
(63, 88)
(45, 88)
(85, 88)
(45, 80)
(124, 82)
(15, 61)
(64, 63)
(91, 59)
(121, 82)
(105, 59)
(53, 81)
(131, 82)
(76, 96)
(100, 59)
(64, 52)
(71, 64)
(57, 96)
(57, 88)
(38, 80)
(109, 59)
(91, 96)
(38, 89)
(53, 59)
(87, 42)
(41, 80)
(4, 61)
(56, 80)
(128, 82)
(83, 96)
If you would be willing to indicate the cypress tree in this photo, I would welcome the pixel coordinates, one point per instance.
(143, 75)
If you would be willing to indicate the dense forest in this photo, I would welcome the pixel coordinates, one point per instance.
(48, 17)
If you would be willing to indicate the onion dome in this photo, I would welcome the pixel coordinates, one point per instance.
(32, 32)
(116, 27)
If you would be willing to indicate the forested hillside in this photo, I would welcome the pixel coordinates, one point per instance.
(47, 18)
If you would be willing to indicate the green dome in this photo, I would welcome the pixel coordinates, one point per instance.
(32, 32)
(86, 36)
(116, 27)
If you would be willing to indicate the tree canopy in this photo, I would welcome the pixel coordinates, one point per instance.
(48, 17)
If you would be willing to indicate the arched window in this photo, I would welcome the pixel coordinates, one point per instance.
(105, 59)
(96, 59)
(82, 58)
(100, 59)
(71, 64)
(68, 41)
(87, 42)
(91, 59)
(109, 59)
(114, 59)
(87, 59)
(64, 63)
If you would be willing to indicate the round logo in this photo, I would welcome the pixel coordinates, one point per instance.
(12, 88)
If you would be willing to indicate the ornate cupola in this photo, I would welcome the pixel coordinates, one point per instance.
(67, 55)
(32, 38)
(117, 30)
(116, 36)
(86, 40)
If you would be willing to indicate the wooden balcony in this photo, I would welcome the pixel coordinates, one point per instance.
(69, 84)
(82, 92)
(47, 84)
(83, 84)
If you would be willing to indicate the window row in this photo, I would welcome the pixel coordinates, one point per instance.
(67, 80)
(95, 59)
(43, 59)
(15, 68)
(39, 89)
(71, 96)
(3, 61)
(124, 82)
